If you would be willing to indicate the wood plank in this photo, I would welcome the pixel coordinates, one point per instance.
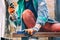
(40, 34)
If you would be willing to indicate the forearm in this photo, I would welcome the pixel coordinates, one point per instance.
(37, 27)
(42, 15)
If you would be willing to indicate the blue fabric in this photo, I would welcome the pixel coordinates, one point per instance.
(43, 13)
(29, 5)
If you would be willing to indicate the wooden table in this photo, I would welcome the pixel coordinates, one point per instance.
(39, 34)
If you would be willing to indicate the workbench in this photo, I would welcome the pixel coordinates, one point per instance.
(39, 34)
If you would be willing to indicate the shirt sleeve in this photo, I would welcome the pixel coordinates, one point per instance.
(42, 12)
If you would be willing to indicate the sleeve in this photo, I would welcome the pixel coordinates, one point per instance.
(42, 12)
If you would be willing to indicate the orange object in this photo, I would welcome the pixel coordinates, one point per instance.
(11, 10)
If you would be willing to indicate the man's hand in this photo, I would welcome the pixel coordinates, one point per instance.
(34, 29)
(29, 31)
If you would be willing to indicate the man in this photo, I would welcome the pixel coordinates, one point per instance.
(34, 16)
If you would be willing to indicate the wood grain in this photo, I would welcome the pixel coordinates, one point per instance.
(40, 34)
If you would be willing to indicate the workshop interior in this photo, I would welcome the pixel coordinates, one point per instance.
(12, 27)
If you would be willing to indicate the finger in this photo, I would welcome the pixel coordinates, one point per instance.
(31, 32)
(28, 31)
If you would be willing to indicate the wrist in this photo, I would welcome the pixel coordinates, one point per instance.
(37, 27)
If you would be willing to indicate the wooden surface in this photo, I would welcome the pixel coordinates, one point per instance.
(40, 34)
